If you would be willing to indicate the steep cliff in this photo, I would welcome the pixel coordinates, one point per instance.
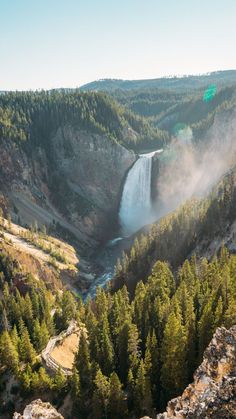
(212, 393)
(74, 184)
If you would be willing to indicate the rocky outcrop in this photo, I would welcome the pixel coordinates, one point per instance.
(213, 392)
(39, 410)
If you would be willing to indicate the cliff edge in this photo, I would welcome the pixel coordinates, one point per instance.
(213, 391)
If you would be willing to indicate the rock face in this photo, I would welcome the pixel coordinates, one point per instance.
(39, 410)
(213, 392)
(74, 182)
(94, 167)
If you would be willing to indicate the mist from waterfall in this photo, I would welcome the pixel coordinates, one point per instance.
(136, 203)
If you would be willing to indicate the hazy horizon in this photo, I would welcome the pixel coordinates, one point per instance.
(120, 79)
(66, 44)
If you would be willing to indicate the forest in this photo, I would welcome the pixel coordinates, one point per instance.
(31, 118)
(165, 108)
(141, 339)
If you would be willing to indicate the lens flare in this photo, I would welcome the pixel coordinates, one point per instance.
(209, 93)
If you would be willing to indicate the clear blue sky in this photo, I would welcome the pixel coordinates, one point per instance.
(66, 43)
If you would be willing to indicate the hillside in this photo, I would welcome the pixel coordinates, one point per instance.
(130, 343)
(170, 103)
(198, 227)
(181, 83)
(168, 109)
(131, 348)
(210, 395)
(212, 392)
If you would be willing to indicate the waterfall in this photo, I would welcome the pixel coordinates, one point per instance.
(136, 204)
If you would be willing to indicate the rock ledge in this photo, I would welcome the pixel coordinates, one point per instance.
(39, 410)
(213, 392)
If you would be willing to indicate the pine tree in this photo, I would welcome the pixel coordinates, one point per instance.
(173, 356)
(35, 305)
(28, 312)
(101, 396)
(15, 337)
(191, 337)
(37, 336)
(91, 325)
(68, 308)
(26, 349)
(116, 406)
(8, 353)
(101, 303)
(76, 393)
(26, 378)
(59, 381)
(83, 364)
(122, 344)
(230, 313)
(133, 349)
(143, 397)
(218, 317)
(105, 351)
(205, 328)
(45, 382)
(5, 325)
(152, 365)
(130, 390)
(44, 335)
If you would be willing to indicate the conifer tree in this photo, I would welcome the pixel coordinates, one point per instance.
(68, 309)
(130, 390)
(26, 349)
(37, 336)
(101, 396)
(173, 356)
(83, 364)
(26, 378)
(76, 393)
(152, 365)
(133, 349)
(8, 352)
(59, 381)
(116, 406)
(205, 328)
(105, 351)
(15, 337)
(143, 397)
(123, 362)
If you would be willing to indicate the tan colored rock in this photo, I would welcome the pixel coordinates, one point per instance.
(213, 392)
(39, 410)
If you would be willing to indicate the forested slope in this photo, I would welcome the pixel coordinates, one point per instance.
(170, 103)
(64, 157)
(34, 116)
(191, 228)
(183, 83)
(135, 353)
(141, 343)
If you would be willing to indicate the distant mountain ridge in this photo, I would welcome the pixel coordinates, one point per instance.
(222, 78)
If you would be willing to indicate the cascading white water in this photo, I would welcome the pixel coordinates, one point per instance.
(136, 204)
